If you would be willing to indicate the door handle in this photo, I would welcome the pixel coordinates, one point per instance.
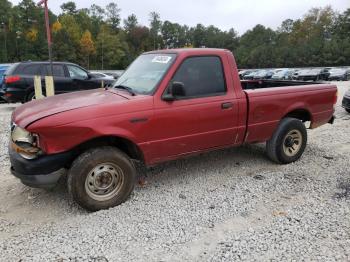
(227, 105)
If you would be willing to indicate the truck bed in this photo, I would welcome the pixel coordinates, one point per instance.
(270, 101)
(258, 84)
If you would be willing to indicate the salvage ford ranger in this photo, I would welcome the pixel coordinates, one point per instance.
(168, 104)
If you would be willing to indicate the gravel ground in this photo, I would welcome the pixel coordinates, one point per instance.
(222, 206)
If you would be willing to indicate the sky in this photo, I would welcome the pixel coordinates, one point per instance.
(224, 14)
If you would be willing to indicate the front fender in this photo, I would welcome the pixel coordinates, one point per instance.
(58, 139)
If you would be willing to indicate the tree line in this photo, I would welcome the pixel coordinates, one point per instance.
(97, 38)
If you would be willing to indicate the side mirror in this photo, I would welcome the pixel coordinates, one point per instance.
(176, 89)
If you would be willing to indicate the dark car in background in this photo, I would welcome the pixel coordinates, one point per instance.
(18, 83)
(339, 74)
(306, 74)
(346, 101)
(312, 74)
(296, 74)
(325, 72)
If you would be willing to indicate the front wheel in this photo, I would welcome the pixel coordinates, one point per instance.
(101, 178)
(288, 142)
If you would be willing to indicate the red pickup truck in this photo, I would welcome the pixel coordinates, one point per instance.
(168, 104)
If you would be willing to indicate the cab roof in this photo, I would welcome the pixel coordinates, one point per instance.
(188, 51)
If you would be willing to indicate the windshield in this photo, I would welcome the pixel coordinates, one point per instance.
(145, 72)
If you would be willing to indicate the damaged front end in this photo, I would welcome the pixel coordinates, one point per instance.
(26, 144)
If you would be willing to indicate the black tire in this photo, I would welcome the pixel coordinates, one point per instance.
(347, 110)
(277, 146)
(84, 167)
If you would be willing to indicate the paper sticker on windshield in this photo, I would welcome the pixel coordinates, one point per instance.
(163, 59)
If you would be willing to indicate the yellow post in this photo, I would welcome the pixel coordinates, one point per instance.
(37, 87)
(50, 89)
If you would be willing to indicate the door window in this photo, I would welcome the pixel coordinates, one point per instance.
(31, 70)
(76, 72)
(201, 76)
(58, 70)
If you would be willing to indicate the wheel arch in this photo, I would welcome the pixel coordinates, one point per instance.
(300, 113)
(126, 145)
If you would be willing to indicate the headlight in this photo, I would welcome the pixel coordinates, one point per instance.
(21, 135)
(25, 143)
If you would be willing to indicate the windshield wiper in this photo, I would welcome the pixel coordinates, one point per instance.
(129, 89)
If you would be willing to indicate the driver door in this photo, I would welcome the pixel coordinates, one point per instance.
(204, 117)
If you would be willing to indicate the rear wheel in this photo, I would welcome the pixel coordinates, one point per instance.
(288, 142)
(101, 178)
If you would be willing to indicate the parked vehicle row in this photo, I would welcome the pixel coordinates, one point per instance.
(304, 74)
(18, 83)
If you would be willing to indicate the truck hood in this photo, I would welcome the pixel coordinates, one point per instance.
(38, 109)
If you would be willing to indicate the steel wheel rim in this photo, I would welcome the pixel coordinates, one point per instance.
(292, 143)
(104, 181)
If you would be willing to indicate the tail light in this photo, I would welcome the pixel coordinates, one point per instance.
(12, 79)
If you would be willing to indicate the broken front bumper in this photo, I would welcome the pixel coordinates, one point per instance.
(43, 172)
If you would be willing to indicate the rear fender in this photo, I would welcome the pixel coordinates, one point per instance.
(297, 107)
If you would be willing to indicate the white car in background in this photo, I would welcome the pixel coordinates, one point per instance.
(101, 75)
